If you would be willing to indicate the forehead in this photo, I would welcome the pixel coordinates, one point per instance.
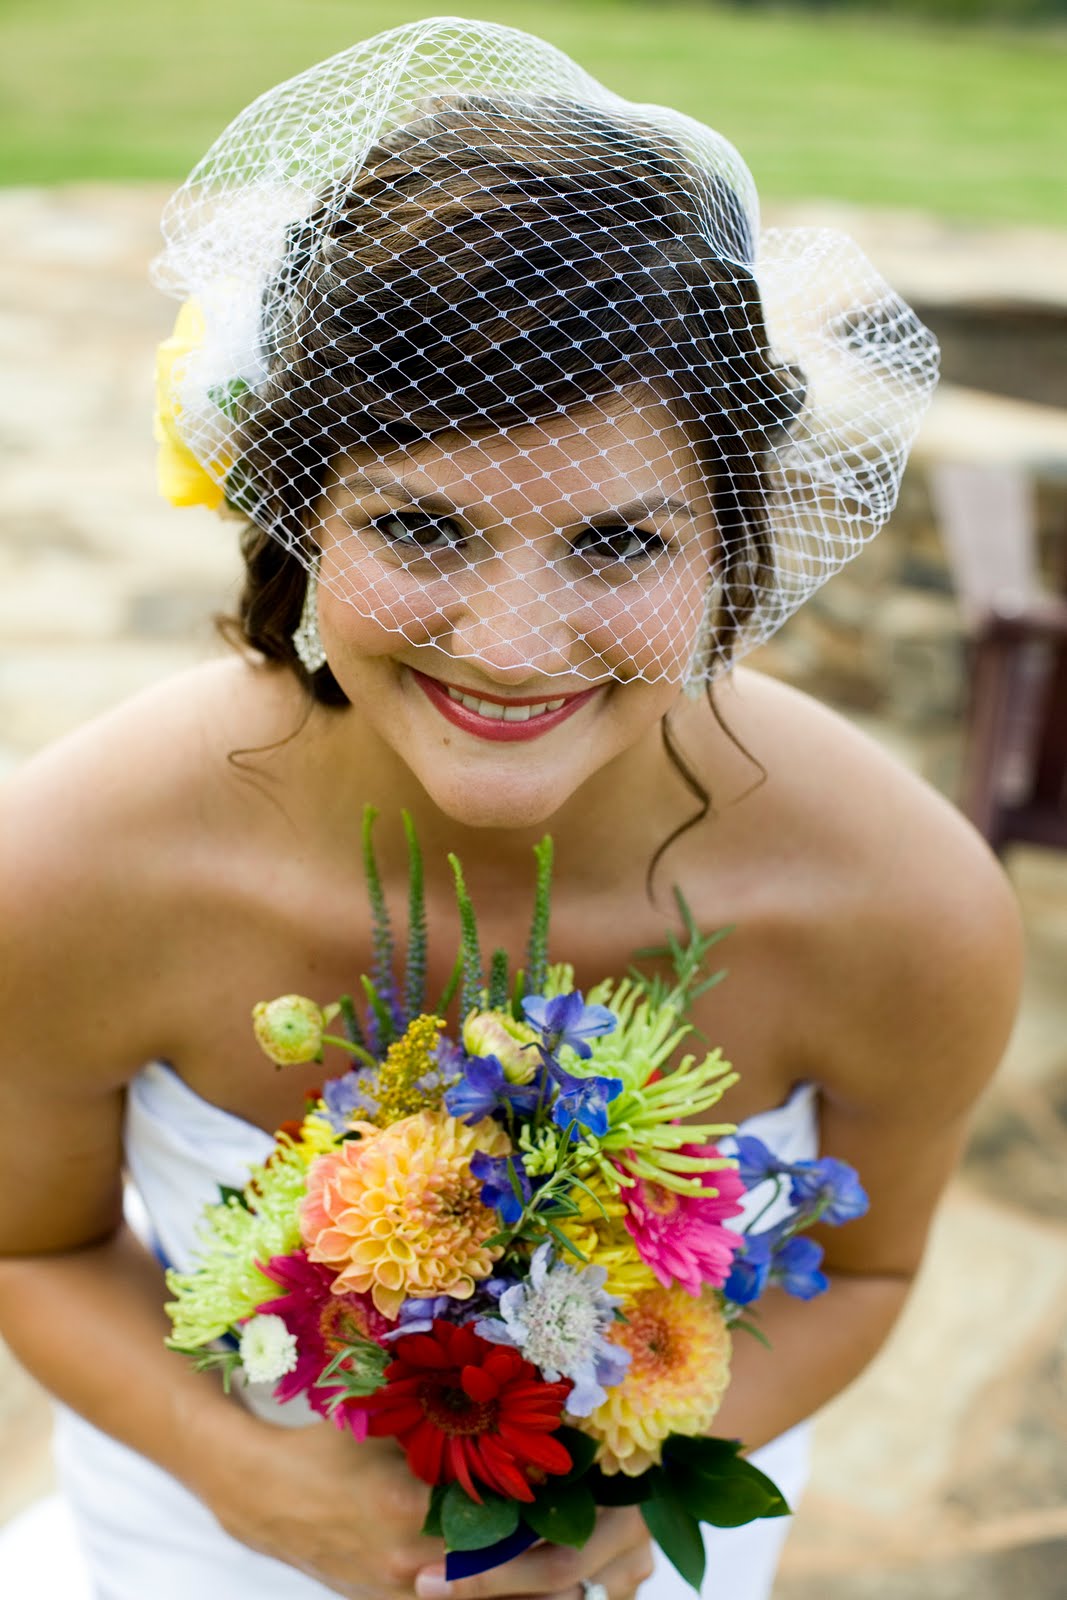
(615, 449)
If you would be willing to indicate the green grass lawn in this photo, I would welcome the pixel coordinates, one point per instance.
(966, 122)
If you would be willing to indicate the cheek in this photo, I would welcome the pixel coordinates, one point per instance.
(380, 602)
(646, 630)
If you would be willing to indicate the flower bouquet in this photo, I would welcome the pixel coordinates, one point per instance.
(510, 1247)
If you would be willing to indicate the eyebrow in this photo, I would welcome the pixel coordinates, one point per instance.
(441, 505)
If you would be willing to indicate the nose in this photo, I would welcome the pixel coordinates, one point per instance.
(512, 618)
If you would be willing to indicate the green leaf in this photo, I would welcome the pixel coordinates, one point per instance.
(718, 1485)
(731, 1498)
(563, 1512)
(229, 396)
(758, 1334)
(619, 1489)
(387, 1032)
(581, 1449)
(432, 1526)
(226, 1194)
(450, 988)
(562, 1240)
(704, 1453)
(675, 1530)
(467, 1525)
(518, 991)
(351, 1023)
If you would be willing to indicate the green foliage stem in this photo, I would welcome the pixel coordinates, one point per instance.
(471, 950)
(537, 949)
(415, 970)
(382, 936)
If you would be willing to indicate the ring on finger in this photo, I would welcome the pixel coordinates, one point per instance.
(592, 1590)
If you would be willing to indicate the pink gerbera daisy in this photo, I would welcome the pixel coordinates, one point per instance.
(682, 1237)
(320, 1321)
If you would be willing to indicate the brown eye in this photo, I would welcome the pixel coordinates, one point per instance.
(415, 531)
(620, 543)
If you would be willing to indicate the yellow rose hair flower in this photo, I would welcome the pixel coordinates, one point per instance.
(398, 1212)
(679, 1369)
(182, 480)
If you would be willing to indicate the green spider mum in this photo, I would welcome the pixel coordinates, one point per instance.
(226, 1285)
(645, 1132)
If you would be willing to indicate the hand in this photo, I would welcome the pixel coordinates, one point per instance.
(343, 1512)
(618, 1555)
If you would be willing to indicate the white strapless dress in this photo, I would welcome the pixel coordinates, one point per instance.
(143, 1535)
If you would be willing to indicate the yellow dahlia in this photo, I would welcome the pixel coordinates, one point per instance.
(599, 1231)
(679, 1369)
(398, 1212)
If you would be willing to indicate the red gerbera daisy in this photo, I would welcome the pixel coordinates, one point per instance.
(320, 1321)
(462, 1408)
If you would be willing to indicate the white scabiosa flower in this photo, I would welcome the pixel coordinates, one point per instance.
(559, 1319)
(268, 1349)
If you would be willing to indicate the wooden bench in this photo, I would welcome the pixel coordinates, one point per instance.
(1014, 784)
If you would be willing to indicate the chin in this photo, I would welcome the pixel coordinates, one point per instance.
(496, 800)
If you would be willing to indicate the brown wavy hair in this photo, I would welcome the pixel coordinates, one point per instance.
(490, 263)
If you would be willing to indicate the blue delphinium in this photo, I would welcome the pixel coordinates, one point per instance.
(566, 1020)
(494, 1173)
(795, 1267)
(776, 1256)
(483, 1088)
(750, 1270)
(559, 1318)
(831, 1188)
(584, 1101)
(755, 1161)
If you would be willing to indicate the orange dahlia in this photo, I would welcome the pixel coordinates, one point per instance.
(679, 1369)
(464, 1410)
(398, 1212)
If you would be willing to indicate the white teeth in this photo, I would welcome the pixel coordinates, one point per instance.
(498, 713)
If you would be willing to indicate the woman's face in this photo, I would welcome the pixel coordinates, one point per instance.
(553, 576)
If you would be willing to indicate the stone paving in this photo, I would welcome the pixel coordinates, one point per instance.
(942, 1473)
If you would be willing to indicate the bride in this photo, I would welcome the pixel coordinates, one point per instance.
(532, 442)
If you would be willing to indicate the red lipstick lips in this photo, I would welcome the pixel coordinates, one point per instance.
(502, 729)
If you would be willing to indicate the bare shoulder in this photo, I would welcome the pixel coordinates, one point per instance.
(99, 836)
(913, 931)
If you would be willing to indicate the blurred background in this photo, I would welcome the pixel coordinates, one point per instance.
(934, 131)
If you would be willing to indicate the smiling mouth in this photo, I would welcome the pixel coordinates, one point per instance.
(498, 716)
(505, 710)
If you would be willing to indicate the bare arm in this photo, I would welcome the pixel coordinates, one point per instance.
(918, 1013)
(81, 1301)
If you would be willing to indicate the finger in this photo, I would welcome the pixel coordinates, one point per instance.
(547, 1569)
(621, 1578)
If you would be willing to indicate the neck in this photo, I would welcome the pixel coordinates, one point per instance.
(605, 833)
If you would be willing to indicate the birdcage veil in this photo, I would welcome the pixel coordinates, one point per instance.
(474, 337)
